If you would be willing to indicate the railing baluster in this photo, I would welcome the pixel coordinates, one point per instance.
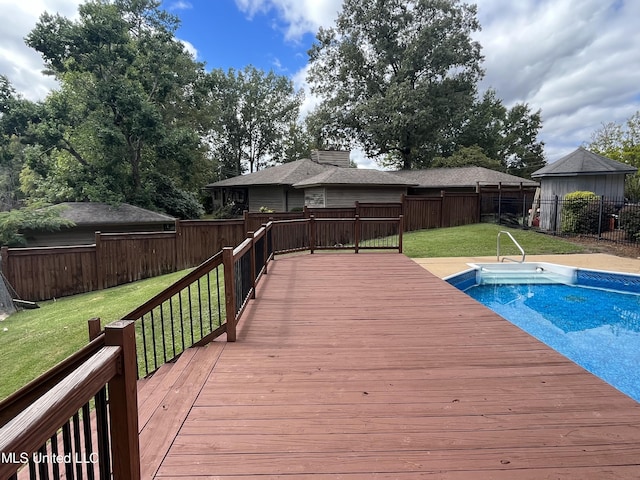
(164, 336)
(153, 341)
(54, 451)
(88, 441)
(144, 346)
(102, 427)
(173, 327)
(66, 445)
(77, 445)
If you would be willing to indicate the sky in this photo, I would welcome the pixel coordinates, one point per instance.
(577, 61)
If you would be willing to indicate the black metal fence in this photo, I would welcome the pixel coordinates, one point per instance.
(614, 220)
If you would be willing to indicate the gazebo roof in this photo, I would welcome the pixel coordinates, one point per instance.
(583, 162)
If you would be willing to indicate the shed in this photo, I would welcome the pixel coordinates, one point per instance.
(581, 170)
(91, 217)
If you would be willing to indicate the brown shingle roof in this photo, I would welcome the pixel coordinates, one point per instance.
(354, 176)
(94, 213)
(461, 177)
(285, 174)
(583, 162)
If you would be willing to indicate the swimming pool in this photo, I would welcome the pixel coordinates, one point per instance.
(591, 317)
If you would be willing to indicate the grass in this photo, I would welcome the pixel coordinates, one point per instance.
(32, 341)
(480, 240)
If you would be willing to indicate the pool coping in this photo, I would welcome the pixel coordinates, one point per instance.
(445, 266)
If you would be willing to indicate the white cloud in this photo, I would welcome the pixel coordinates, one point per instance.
(21, 64)
(299, 16)
(576, 60)
(180, 5)
(191, 49)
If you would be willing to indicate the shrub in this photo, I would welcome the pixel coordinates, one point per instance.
(630, 222)
(581, 212)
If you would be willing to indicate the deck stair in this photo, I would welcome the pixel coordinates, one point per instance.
(165, 399)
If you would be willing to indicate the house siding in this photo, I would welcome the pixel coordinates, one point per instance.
(267, 197)
(609, 186)
(338, 197)
(295, 199)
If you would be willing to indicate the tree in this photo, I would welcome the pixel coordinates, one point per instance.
(256, 111)
(508, 136)
(125, 110)
(468, 156)
(398, 76)
(621, 142)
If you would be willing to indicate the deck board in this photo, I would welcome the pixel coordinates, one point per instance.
(366, 365)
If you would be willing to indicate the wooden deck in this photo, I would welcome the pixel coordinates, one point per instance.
(367, 366)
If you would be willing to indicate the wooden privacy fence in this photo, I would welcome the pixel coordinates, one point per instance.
(44, 273)
(419, 212)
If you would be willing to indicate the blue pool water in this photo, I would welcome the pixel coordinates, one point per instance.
(597, 329)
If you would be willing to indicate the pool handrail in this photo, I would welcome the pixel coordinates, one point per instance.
(516, 244)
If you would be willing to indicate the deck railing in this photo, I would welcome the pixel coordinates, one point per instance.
(51, 416)
(190, 312)
(51, 431)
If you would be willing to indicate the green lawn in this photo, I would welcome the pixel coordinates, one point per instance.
(32, 341)
(480, 240)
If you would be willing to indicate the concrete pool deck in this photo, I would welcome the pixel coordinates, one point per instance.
(443, 267)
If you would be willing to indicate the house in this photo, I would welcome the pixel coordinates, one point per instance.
(583, 170)
(470, 179)
(324, 180)
(91, 217)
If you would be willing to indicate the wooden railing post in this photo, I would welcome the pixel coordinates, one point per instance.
(123, 402)
(229, 292)
(312, 233)
(265, 249)
(251, 235)
(400, 230)
(94, 328)
(356, 232)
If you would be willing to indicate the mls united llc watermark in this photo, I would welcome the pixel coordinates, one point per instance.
(38, 457)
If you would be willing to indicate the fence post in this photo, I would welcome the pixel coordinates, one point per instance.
(400, 230)
(356, 232)
(229, 292)
(179, 250)
(99, 270)
(251, 235)
(94, 328)
(600, 216)
(555, 215)
(312, 233)
(123, 402)
(441, 209)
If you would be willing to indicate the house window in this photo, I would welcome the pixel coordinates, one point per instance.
(315, 198)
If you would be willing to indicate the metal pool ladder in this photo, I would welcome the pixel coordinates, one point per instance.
(516, 244)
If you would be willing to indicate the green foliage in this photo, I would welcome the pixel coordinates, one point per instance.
(581, 213)
(467, 156)
(630, 222)
(508, 136)
(256, 120)
(12, 223)
(264, 209)
(162, 192)
(397, 76)
(127, 107)
(621, 142)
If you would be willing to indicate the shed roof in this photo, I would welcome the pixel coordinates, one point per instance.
(285, 174)
(583, 162)
(354, 177)
(461, 177)
(95, 213)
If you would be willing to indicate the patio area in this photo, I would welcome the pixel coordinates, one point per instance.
(369, 366)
